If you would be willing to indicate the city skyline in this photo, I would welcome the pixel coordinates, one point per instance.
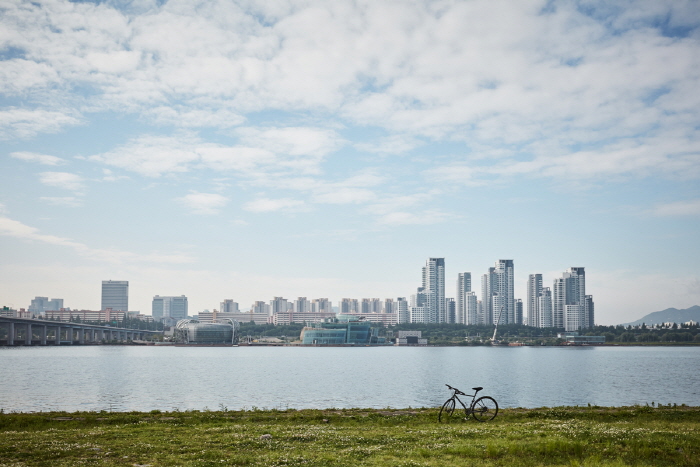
(325, 149)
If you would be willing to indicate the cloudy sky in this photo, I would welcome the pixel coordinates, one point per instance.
(250, 149)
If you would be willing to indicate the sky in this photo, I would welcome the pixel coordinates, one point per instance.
(252, 149)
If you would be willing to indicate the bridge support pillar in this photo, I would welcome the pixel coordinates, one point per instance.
(81, 335)
(10, 333)
(44, 332)
(28, 337)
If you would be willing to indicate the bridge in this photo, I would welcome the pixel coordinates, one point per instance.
(22, 331)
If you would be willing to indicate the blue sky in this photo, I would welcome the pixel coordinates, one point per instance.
(251, 149)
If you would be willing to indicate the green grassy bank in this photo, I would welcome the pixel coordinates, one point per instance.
(568, 436)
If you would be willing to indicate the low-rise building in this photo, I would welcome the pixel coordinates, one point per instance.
(410, 338)
(289, 317)
(346, 330)
(241, 317)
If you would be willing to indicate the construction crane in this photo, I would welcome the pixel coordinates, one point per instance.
(493, 339)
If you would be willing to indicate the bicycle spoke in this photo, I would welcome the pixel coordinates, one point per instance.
(446, 410)
(484, 409)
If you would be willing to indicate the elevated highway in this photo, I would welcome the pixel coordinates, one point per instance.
(22, 331)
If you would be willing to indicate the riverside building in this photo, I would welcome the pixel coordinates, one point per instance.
(115, 295)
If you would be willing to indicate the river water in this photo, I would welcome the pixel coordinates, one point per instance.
(125, 378)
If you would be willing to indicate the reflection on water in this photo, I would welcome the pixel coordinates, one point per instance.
(122, 378)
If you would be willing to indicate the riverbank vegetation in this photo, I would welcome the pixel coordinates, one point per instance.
(586, 436)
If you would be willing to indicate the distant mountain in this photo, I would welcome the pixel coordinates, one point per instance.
(669, 315)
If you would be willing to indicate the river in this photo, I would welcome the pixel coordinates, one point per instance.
(126, 378)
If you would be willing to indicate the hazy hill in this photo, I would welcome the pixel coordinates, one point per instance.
(670, 315)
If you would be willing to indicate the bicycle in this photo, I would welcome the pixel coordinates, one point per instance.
(483, 409)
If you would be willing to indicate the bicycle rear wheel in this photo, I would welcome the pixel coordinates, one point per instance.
(484, 409)
(446, 411)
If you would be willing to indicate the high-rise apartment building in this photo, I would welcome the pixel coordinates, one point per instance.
(450, 310)
(348, 305)
(389, 306)
(301, 305)
(464, 285)
(402, 310)
(570, 303)
(431, 295)
(228, 306)
(505, 288)
(115, 295)
(518, 305)
(41, 304)
(487, 289)
(278, 305)
(171, 307)
(321, 305)
(260, 307)
(472, 308)
(544, 305)
(534, 289)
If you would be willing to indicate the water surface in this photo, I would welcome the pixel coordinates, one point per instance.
(123, 378)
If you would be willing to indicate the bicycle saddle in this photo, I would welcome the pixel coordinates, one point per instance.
(477, 389)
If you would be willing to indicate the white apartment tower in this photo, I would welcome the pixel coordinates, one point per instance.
(544, 305)
(570, 303)
(464, 285)
(434, 289)
(505, 288)
(534, 289)
(487, 281)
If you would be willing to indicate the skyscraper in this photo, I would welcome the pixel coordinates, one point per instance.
(115, 295)
(464, 285)
(487, 289)
(534, 289)
(570, 303)
(434, 289)
(505, 288)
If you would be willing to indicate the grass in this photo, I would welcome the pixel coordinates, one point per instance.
(570, 436)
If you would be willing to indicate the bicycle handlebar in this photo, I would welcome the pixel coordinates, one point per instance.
(456, 390)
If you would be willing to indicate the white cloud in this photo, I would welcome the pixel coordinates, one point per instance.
(185, 117)
(26, 123)
(12, 228)
(678, 208)
(204, 203)
(40, 158)
(67, 201)
(65, 180)
(271, 205)
(261, 151)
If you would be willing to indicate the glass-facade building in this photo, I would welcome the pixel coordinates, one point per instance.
(189, 331)
(115, 295)
(345, 330)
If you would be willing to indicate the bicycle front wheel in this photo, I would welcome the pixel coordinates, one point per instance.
(484, 409)
(446, 411)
